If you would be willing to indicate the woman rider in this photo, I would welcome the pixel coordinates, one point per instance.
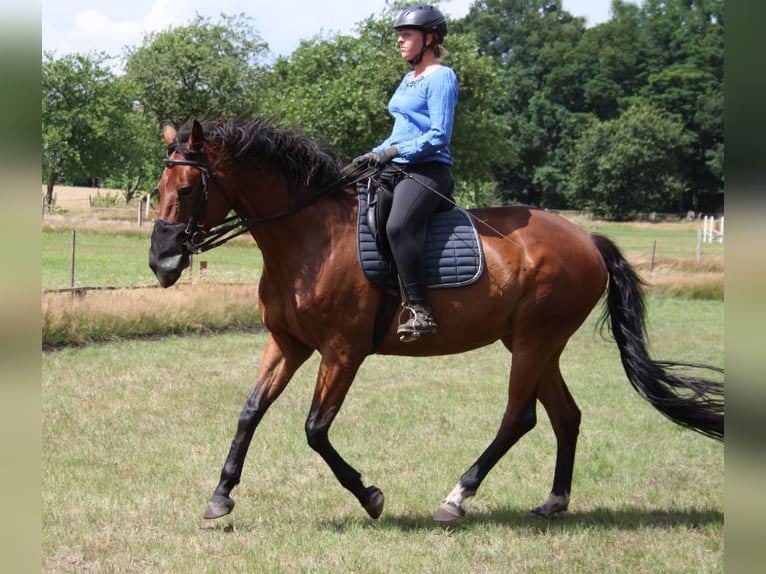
(415, 158)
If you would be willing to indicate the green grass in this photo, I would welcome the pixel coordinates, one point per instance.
(135, 432)
(668, 241)
(120, 258)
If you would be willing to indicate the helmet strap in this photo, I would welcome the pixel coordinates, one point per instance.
(419, 57)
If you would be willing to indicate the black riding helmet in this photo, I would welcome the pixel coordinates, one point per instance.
(425, 18)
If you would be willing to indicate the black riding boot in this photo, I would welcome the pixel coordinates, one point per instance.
(421, 322)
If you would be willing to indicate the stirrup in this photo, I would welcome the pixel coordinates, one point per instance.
(421, 322)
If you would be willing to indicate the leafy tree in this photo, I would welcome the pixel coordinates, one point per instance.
(87, 116)
(204, 69)
(481, 140)
(137, 167)
(680, 30)
(339, 87)
(605, 66)
(685, 45)
(629, 165)
(527, 39)
(561, 77)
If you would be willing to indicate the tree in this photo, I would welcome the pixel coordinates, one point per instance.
(526, 39)
(137, 163)
(629, 165)
(87, 116)
(686, 51)
(201, 70)
(560, 78)
(604, 67)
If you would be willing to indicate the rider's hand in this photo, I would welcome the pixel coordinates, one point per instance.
(381, 158)
(362, 159)
(377, 158)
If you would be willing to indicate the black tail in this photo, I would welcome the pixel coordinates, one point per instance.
(691, 401)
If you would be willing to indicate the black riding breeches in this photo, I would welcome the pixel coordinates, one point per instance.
(413, 205)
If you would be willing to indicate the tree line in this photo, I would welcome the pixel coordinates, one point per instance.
(618, 119)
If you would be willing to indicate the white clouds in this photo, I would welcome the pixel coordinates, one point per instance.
(96, 28)
(103, 28)
(166, 13)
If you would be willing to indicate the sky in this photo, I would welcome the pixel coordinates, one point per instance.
(83, 26)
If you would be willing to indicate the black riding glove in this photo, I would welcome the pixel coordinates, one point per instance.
(377, 158)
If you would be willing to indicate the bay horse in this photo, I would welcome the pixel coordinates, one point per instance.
(542, 277)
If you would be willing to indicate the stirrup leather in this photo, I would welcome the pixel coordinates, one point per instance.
(421, 322)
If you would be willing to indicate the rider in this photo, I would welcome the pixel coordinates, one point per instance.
(415, 158)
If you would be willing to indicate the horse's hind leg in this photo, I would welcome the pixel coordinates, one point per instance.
(279, 363)
(565, 419)
(520, 417)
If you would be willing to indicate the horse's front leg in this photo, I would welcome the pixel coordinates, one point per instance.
(336, 373)
(281, 359)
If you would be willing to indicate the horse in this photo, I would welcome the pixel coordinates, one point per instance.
(542, 277)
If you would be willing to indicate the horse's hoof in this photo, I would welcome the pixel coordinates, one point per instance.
(374, 505)
(547, 511)
(218, 506)
(449, 513)
(553, 505)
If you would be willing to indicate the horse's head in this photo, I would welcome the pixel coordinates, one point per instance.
(185, 211)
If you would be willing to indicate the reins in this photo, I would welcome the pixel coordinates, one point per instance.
(198, 240)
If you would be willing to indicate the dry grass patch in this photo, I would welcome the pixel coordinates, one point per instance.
(79, 318)
(709, 266)
(688, 285)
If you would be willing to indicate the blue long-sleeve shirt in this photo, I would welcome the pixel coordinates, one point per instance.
(424, 113)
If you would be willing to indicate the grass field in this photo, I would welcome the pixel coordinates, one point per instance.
(118, 256)
(134, 433)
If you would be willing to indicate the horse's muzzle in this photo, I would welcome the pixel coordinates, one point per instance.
(167, 255)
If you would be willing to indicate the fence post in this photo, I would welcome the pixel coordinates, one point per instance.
(71, 259)
(140, 213)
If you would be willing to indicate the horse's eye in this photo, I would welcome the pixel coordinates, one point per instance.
(184, 192)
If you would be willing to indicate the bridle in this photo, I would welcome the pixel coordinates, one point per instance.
(195, 238)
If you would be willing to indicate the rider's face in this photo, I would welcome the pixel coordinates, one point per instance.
(410, 43)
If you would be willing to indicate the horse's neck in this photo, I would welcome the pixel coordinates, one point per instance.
(305, 240)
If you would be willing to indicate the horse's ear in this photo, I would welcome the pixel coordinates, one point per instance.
(197, 135)
(169, 133)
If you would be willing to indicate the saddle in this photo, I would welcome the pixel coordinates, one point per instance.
(453, 256)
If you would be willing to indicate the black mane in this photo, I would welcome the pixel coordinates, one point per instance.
(305, 163)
